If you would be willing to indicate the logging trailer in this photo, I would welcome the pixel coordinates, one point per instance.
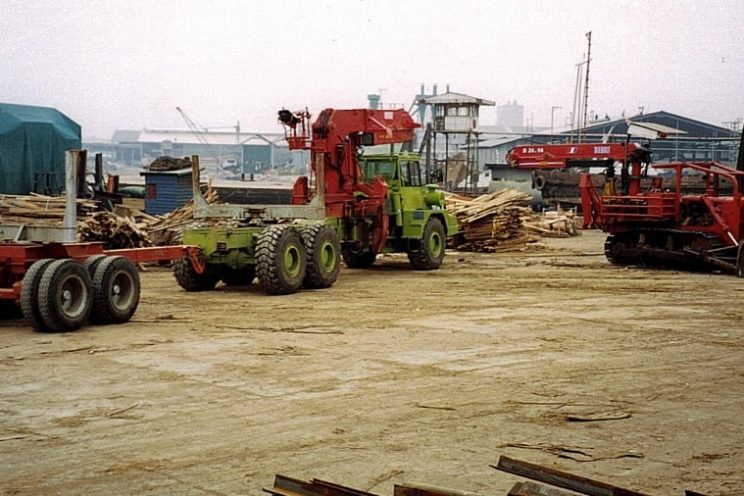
(60, 284)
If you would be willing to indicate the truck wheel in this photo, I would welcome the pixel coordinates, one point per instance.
(431, 247)
(188, 279)
(740, 260)
(323, 261)
(281, 259)
(238, 277)
(358, 260)
(116, 291)
(92, 262)
(30, 294)
(65, 297)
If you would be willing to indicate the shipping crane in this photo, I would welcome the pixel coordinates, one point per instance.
(199, 133)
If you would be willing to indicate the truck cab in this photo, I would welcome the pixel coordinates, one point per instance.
(411, 204)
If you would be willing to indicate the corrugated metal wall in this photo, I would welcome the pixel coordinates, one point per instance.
(166, 192)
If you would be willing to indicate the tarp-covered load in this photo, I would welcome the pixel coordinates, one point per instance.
(33, 141)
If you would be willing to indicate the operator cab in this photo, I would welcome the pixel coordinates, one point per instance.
(408, 174)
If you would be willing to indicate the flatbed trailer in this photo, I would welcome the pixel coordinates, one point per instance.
(60, 284)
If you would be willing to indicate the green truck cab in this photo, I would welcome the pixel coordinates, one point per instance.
(418, 222)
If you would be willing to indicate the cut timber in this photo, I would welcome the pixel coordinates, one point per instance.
(492, 222)
(114, 231)
(38, 210)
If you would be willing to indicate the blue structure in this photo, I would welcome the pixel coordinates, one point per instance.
(166, 191)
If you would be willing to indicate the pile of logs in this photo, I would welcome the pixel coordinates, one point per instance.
(166, 163)
(38, 210)
(494, 222)
(113, 230)
(125, 228)
(554, 224)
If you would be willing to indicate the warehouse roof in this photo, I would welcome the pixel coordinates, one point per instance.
(124, 136)
(212, 138)
(667, 122)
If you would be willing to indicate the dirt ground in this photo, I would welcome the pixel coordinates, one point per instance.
(627, 375)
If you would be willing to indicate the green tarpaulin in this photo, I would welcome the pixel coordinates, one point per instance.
(33, 141)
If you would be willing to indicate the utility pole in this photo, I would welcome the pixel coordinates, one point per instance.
(586, 81)
(552, 111)
(576, 112)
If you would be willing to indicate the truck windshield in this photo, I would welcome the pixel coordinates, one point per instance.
(383, 168)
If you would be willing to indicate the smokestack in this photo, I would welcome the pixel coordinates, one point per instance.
(434, 90)
(447, 87)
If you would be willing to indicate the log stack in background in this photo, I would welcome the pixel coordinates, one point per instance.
(113, 230)
(39, 210)
(132, 228)
(501, 221)
(166, 163)
(555, 224)
(125, 228)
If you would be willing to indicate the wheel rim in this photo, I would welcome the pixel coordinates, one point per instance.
(328, 256)
(292, 260)
(72, 296)
(435, 244)
(121, 292)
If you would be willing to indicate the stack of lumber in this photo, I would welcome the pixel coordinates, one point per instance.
(113, 230)
(166, 163)
(38, 210)
(492, 223)
(555, 224)
(168, 229)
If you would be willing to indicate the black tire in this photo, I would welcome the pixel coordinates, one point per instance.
(92, 262)
(430, 252)
(116, 291)
(323, 255)
(30, 294)
(358, 260)
(238, 277)
(740, 260)
(539, 182)
(65, 296)
(280, 259)
(188, 279)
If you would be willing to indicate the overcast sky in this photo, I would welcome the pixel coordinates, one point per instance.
(127, 64)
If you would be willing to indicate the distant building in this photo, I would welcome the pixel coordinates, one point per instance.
(223, 154)
(510, 116)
